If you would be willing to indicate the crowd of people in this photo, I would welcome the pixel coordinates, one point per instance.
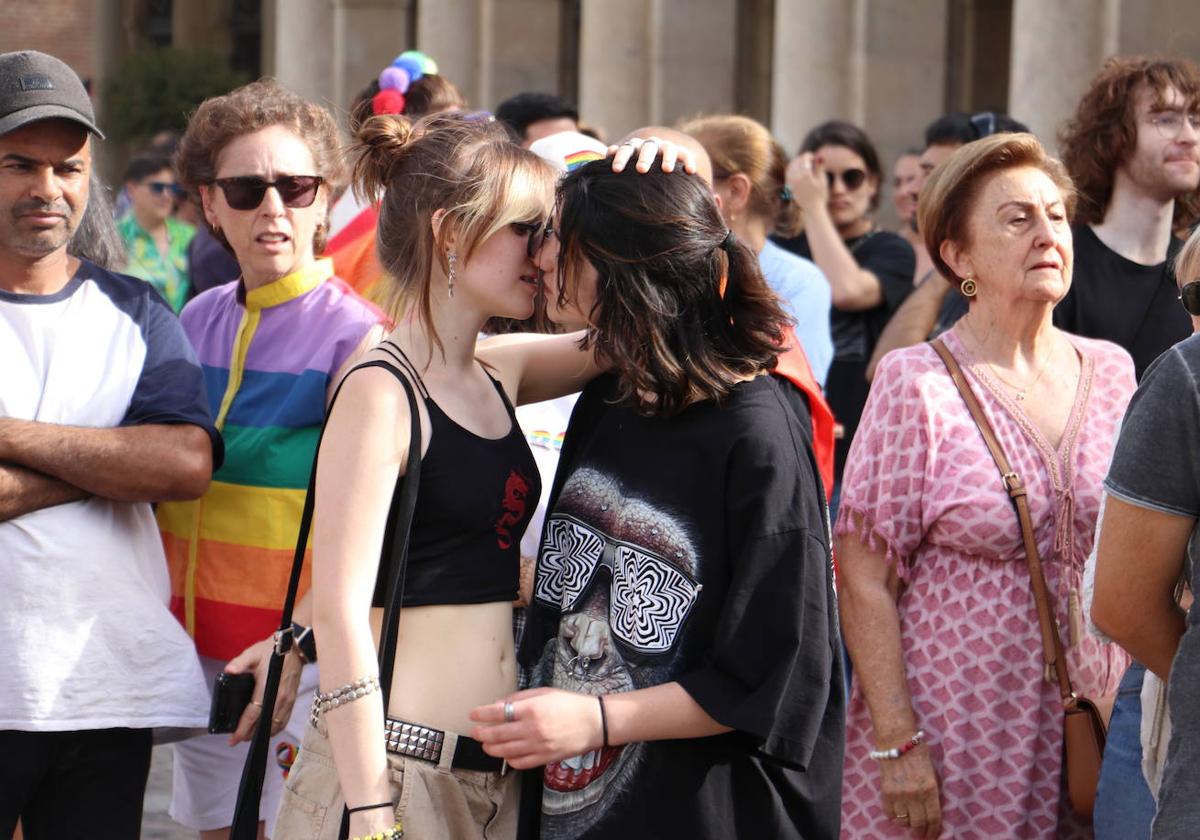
(875, 510)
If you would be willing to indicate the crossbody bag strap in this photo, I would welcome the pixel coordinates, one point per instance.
(245, 816)
(396, 538)
(1052, 650)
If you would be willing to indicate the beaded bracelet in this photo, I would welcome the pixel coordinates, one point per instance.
(393, 833)
(896, 752)
(327, 702)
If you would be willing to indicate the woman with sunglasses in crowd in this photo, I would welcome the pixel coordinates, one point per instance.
(155, 241)
(835, 181)
(682, 626)
(263, 163)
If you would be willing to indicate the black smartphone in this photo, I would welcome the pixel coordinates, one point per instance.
(231, 695)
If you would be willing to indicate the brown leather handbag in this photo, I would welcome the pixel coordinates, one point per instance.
(1085, 724)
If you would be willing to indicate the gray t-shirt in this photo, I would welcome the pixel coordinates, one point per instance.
(1156, 466)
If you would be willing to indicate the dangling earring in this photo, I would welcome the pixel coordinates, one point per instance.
(968, 287)
(451, 258)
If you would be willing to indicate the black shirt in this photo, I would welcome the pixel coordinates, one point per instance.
(855, 333)
(692, 549)
(1119, 300)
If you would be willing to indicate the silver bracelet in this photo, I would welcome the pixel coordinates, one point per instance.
(325, 702)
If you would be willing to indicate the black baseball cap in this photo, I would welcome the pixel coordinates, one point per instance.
(36, 86)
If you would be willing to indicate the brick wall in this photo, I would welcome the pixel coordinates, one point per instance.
(60, 27)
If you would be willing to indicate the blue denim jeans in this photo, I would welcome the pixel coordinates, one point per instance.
(1124, 806)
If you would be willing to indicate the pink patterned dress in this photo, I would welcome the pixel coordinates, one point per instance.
(920, 484)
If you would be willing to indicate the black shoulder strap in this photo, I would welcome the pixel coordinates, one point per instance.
(404, 502)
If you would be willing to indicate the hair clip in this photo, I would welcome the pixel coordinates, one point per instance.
(785, 194)
(397, 77)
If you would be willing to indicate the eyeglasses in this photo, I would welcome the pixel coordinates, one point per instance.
(1189, 296)
(1170, 123)
(160, 187)
(246, 192)
(537, 233)
(852, 178)
(649, 597)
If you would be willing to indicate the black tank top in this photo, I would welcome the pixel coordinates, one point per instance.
(474, 500)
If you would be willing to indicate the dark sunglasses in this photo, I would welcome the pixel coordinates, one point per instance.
(246, 192)
(1189, 296)
(160, 187)
(536, 233)
(852, 178)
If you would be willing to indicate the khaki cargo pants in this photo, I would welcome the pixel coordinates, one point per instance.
(433, 801)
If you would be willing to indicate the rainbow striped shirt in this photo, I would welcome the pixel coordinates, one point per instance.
(268, 357)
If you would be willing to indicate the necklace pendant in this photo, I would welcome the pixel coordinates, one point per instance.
(1020, 396)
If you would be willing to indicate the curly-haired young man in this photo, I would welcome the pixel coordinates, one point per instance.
(1133, 150)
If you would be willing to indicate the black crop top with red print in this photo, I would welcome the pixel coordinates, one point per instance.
(474, 501)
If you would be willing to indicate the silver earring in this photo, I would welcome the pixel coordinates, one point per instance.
(452, 259)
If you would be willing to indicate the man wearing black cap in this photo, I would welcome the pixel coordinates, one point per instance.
(102, 412)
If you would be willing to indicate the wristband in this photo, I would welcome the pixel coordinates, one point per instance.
(896, 752)
(369, 807)
(603, 720)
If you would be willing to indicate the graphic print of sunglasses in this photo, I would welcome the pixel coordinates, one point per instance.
(650, 598)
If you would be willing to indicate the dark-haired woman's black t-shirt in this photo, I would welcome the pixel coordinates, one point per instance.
(1133, 305)
(692, 549)
(855, 333)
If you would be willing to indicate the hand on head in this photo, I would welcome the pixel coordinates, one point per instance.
(647, 150)
(805, 177)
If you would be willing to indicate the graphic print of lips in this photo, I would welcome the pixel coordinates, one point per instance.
(580, 771)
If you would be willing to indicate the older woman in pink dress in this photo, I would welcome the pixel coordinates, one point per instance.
(937, 610)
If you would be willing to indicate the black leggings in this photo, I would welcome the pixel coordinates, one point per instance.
(88, 783)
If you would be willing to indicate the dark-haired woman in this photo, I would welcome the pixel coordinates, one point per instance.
(836, 181)
(682, 623)
(462, 215)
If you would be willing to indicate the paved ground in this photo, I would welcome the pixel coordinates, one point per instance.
(156, 825)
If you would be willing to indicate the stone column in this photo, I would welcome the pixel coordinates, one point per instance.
(655, 61)
(818, 65)
(367, 35)
(696, 54)
(525, 43)
(454, 33)
(298, 47)
(1057, 47)
(616, 65)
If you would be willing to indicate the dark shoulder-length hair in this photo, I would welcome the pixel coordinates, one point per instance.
(682, 312)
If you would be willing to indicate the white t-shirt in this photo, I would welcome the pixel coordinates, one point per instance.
(544, 425)
(86, 638)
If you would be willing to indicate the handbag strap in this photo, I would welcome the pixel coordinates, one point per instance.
(1052, 650)
(396, 538)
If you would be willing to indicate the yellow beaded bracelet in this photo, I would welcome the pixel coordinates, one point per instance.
(393, 833)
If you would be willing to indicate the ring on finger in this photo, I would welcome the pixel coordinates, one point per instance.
(256, 703)
(509, 713)
(901, 818)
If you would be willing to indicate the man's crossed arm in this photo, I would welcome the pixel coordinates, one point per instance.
(45, 464)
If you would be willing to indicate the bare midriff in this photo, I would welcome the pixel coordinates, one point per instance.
(450, 659)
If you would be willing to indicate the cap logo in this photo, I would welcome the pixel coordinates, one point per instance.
(36, 82)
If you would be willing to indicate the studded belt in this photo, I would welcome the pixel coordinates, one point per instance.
(424, 742)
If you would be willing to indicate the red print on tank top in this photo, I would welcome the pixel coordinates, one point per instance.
(516, 494)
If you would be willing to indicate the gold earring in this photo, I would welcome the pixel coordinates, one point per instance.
(968, 287)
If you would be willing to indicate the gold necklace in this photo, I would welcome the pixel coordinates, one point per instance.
(1019, 393)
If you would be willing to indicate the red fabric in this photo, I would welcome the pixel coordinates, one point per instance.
(353, 252)
(794, 367)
